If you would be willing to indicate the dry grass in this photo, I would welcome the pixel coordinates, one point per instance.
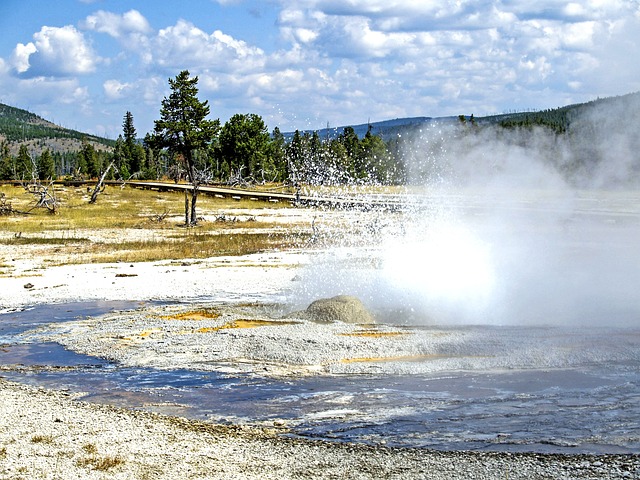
(70, 236)
(39, 240)
(116, 207)
(101, 464)
(46, 439)
(90, 448)
(198, 245)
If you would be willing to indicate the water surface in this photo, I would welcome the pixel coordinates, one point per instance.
(589, 405)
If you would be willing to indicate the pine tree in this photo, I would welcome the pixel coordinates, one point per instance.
(24, 165)
(128, 130)
(46, 166)
(183, 129)
(132, 151)
(7, 163)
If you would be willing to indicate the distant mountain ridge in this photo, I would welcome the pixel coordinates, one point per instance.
(558, 119)
(19, 126)
(384, 128)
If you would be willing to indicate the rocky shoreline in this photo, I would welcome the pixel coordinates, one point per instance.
(48, 434)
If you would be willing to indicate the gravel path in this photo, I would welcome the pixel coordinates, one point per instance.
(49, 435)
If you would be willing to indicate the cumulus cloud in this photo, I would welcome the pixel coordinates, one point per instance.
(47, 92)
(486, 54)
(147, 91)
(56, 52)
(185, 45)
(115, 89)
(346, 61)
(131, 29)
(118, 26)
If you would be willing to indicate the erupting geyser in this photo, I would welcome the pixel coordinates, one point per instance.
(441, 266)
(494, 231)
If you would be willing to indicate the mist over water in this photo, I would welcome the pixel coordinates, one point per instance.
(502, 227)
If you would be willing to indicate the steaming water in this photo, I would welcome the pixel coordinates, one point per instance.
(508, 257)
(566, 391)
(541, 287)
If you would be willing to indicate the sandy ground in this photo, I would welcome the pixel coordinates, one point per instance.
(51, 435)
(220, 278)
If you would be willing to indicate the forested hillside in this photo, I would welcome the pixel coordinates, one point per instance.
(559, 119)
(18, 126)
(593, 143)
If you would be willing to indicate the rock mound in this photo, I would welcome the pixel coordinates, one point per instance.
(342, 308)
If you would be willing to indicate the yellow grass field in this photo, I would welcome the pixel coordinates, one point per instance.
(131, 225)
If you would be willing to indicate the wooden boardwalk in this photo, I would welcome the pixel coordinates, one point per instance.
(346, 201)
(364, 202)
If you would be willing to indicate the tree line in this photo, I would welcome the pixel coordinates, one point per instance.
(240, 151)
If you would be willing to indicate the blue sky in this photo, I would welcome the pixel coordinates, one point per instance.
(308, 63)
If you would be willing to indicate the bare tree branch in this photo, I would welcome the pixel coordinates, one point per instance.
(99, 188)
(45, 195)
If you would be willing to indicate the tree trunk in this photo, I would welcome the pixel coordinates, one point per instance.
(97, 190)
(191, 172)
(194, 198)
(186, 208)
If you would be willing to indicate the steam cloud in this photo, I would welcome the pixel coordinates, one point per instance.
(508, 227)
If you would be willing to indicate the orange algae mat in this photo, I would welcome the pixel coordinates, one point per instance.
(245, 323)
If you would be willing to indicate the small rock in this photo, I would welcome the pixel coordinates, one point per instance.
(342, 308)
(28, 285)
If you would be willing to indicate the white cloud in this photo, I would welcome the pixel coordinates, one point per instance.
(115, 89)
(579, 35)
(21, 56)
(55, 52)
(48, 92)
(285, 81)
(186, 46)
(131, 29)
(117, 26)
(347, 60)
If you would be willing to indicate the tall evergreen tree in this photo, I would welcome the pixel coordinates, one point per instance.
(183, 128)
(46, 167)
(24, 165)
(128, 130)
(277, 153)
(7, 163)
(244, 142)
(119, 158)
(88, 160)
(351, 143)
(376, 160)
(295, 158)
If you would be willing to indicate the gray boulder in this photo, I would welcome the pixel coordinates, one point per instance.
(342, 308)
